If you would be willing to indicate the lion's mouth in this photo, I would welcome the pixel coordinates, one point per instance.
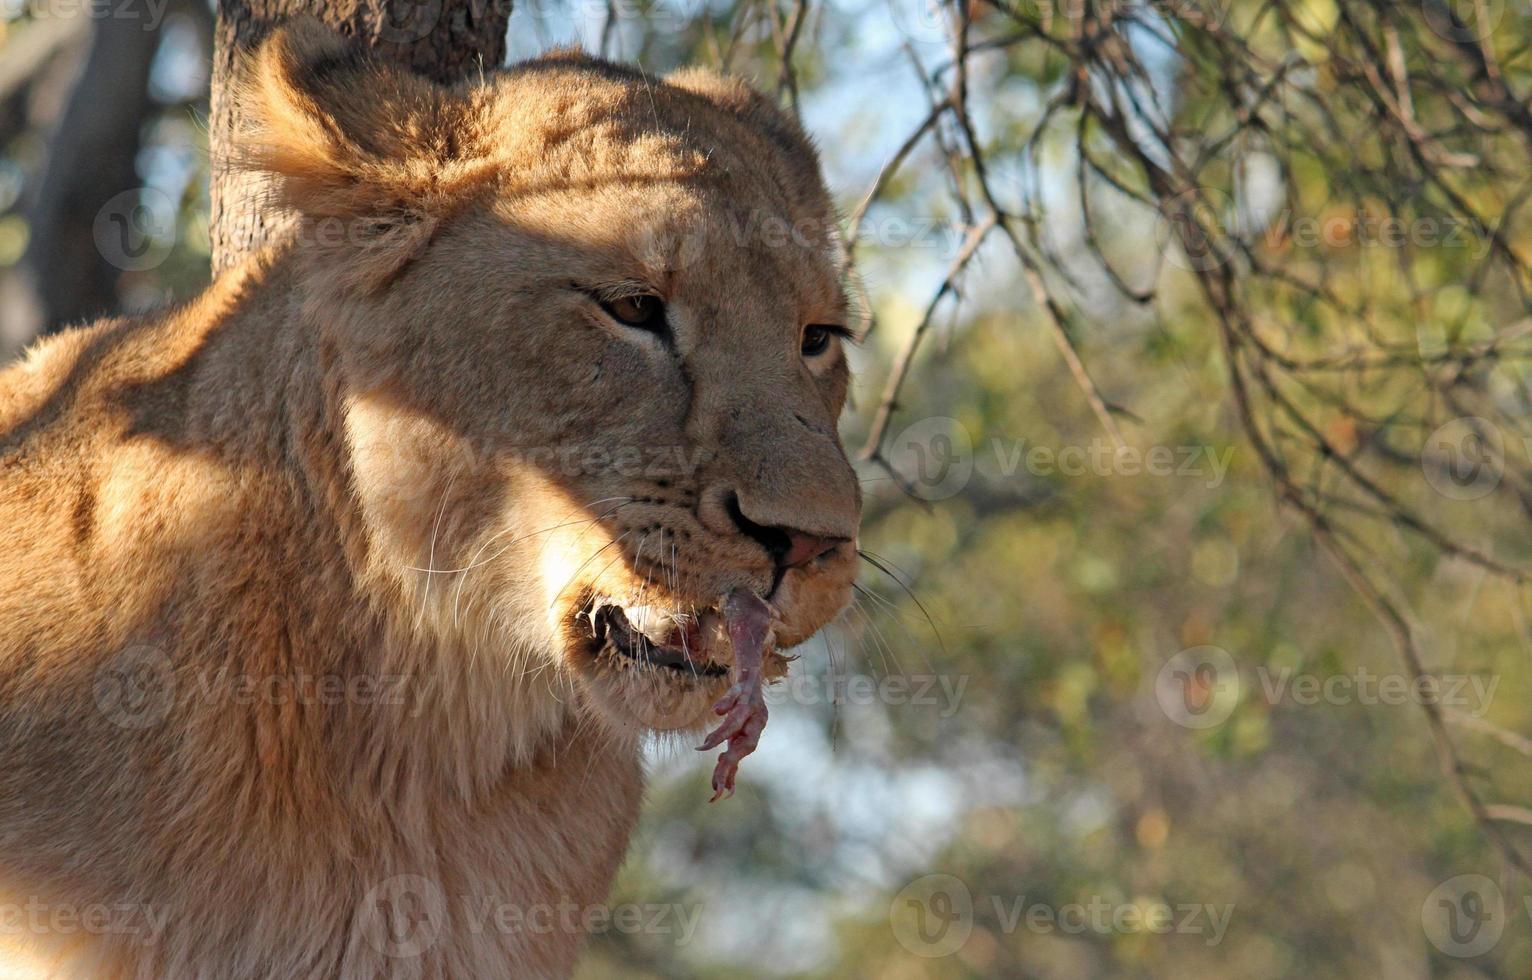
(674, 645)
(656, 641)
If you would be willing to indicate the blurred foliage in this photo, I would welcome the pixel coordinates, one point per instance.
(1016, 631)
(1324, 825)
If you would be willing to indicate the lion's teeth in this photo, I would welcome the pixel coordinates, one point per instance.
(653, 621)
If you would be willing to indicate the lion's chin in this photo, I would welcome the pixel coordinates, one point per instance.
(638, 705)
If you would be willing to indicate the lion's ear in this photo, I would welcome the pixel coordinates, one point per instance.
(342, 135)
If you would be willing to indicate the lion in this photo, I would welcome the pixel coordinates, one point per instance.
(337, 603)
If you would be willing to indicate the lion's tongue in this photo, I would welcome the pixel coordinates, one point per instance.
(748, 619)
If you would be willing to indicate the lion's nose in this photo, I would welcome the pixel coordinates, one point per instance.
(806, 548)
(788, 547)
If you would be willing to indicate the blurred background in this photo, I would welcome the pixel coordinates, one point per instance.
(1192, 414)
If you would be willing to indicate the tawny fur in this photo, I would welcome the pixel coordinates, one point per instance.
(291, 670)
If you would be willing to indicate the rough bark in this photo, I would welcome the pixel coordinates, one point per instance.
(446, 40)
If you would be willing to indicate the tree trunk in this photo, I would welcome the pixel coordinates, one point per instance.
(446, 40)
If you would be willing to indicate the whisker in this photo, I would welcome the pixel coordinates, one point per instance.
(441, 511)
(880, 644)
(473, 563)
(887, 564)
(576, 573)
(881, 564)
(884, 603)
(830, 669)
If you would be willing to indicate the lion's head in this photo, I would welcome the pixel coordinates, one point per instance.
(586, 329)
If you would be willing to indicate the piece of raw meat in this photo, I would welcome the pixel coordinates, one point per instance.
(748, 620)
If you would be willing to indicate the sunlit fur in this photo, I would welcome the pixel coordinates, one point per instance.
(343, 460)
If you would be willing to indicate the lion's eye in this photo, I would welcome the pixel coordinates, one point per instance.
(817, 336)
(643, 312)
